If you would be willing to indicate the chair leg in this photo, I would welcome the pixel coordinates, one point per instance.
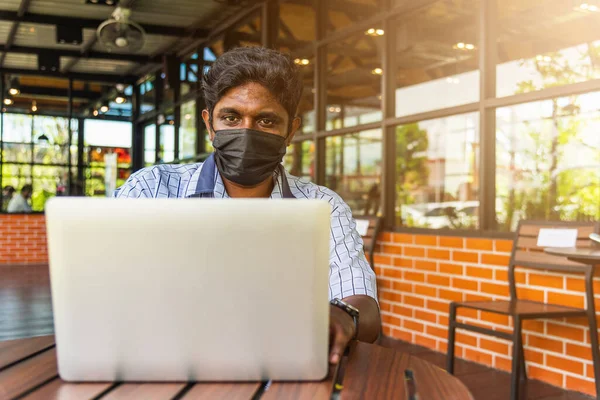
(523, 366)
(516, 360)
(591, 311)
(451, 338)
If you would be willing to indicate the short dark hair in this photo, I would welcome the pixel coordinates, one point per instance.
(273, 70)
(27, 188)
(9, 189)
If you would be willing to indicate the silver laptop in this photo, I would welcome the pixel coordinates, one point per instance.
(189, 289)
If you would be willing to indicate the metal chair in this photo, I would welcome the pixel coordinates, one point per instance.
(527, 254)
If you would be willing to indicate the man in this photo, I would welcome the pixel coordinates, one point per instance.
(252, 96)
(20, 202)
(7, 194)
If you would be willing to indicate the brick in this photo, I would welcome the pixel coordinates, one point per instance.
(576, 284)
(385, 306)
(530, 294)
(478, 357)
(451, 269)
(390, 320)
(426, 240)
(438, 254)
(467, 313)
(478, 272)
(413, 326)
(493, 318)
(425, 341)
(387, 330)
(476, 297)
(566, 299)
(402, 262)
(465, 284)
(443, 320)
(414, 276)
(389, 296)
(425, 265)
(381, 259)
(425, 290)
(442, 347)
(532, 356)
(450, 241)
(575, 350)
(503, 363)
(391, 249)
(402, 287)
(493, 288)
(562, 331)
(385, 237)
(496, 347)
(564, 364)
(425, 316)
(437, 332)
(495, 259)
(464, 338)
(438, 306)
(402, 310)
(392, 273)
(544, 280)
(402, 335)
(384, 284)
(464, 256)
(452, 295)
(581, 385)
(414, 301)
(480, 244)
(532, 325)
(414, 251)
(438, 280)
(402, 238)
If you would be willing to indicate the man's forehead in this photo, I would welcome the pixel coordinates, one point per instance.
(250, 97)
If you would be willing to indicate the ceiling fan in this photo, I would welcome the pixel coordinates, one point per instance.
(121, 33)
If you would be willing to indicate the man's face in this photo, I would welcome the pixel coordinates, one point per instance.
(251, 106)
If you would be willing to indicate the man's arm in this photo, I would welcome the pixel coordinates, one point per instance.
(352, 280)
(342, 325)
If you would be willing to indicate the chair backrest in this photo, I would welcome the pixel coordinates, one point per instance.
(526, 253)
(368, 228)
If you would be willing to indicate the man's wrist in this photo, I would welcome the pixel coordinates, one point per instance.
(350, 318)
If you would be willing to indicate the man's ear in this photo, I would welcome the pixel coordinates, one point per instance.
(206, 119)
(295, 126)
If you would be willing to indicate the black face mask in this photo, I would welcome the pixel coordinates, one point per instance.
(246, 156)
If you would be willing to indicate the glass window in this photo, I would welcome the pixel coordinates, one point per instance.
(436, 173)
(47, 182)
(149, 145)
(353, 170)
(187, 131)
(17, 128)
(559, 44)
(345, 13)
(51, 140)
(300, 159)
(306, 107)
(148, 95)
(548, 160)
(437, 57)
(167, 140)
(354, 81)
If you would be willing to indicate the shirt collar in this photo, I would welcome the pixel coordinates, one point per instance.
(209, 182)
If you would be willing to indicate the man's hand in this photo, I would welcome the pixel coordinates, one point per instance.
(341, 331)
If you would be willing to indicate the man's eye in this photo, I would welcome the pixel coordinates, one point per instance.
(267, 122)
(230, 118)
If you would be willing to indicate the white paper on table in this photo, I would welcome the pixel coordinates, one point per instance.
(557, 238)
(362, 226)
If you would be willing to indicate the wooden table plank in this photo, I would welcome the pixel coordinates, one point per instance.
(302, 390)
(229, 391)
(24, 376)
(374, 372)
(146, 391)
(61, 390)
(15, 350)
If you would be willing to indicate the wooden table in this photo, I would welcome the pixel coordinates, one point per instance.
(583, 255)
(28, 370)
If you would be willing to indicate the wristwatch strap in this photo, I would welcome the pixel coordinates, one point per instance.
(350, 310)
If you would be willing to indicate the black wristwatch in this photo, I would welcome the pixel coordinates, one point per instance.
(351, 310)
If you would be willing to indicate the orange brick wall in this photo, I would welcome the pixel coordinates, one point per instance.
(23, 239)
(419, 275)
